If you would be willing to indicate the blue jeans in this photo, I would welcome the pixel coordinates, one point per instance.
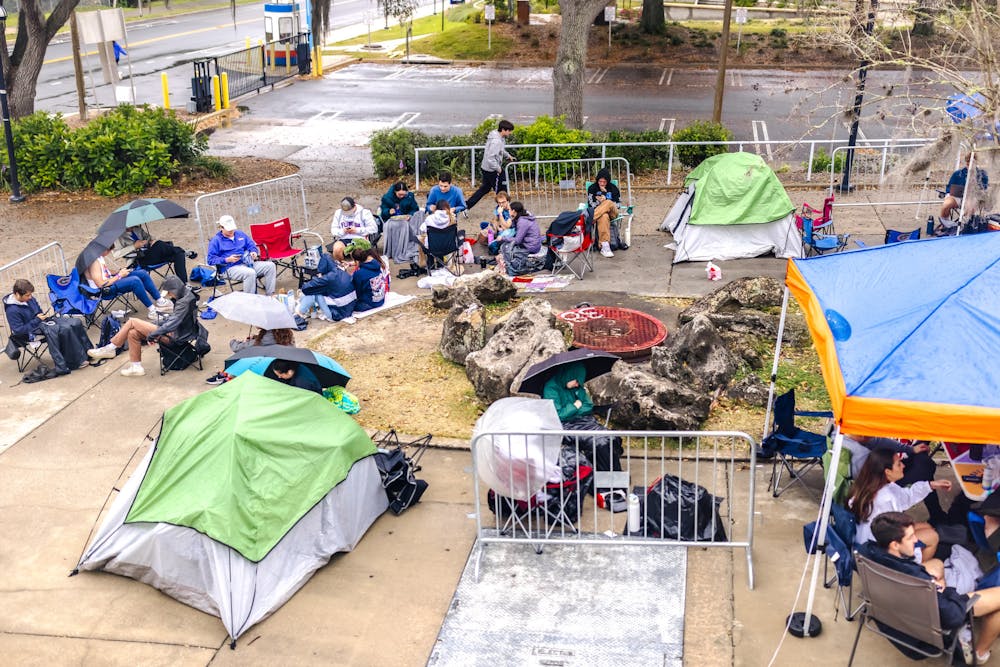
(138, 283)
(318, 300)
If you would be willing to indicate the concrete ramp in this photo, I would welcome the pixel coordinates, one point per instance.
(569, 606)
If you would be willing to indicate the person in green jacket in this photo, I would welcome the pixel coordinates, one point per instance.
(565, 389)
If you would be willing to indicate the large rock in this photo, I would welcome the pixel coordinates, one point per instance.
(513, 345)
(445, 297)
(750, 390)
(695, 355)
(488, 286)
(464, 331)
(747, 305)
(646, 401)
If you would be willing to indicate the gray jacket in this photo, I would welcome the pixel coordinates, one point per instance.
(494, 152)
(182, 324)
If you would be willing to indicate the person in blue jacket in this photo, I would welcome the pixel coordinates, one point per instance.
(237, 256)
(371, 278)
(398, 200)
(331, 292)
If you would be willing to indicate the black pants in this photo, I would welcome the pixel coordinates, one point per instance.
(162, 252)
(493, 181)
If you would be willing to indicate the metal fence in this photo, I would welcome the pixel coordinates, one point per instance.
(549, 187)
(267, 201)
(559, 513)
(249, 70)
(34, 266)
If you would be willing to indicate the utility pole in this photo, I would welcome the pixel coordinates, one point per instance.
(81, 93)
(720, 77)
(859, 96)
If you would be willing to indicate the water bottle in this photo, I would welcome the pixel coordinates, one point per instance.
(489, 235)
(633, 514)
(988, 476)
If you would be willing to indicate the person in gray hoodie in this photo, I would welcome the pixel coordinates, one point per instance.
(491, 167)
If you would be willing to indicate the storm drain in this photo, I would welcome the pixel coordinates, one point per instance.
(622, 331)
(571, 606)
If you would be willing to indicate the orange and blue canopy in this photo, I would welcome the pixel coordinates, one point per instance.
(908, 336)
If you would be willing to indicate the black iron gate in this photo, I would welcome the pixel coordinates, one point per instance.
(250, 70)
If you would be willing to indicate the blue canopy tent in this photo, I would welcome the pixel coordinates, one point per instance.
(908, 336)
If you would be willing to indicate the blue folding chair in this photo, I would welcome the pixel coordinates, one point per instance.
(839, 548)
(896, 236)
(795, 451)
(70, 297)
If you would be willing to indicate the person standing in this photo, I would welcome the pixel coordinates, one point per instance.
(493, 176)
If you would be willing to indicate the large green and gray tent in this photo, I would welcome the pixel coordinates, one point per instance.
(249, 489)
(733, 206)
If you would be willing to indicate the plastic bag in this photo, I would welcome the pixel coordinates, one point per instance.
(676, 509)
(465, 252)
(343, 399)
(517, 465)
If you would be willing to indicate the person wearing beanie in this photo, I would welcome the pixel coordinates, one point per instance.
(181, 325)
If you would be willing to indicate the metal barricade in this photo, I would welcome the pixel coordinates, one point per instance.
(34, 266)
(263, 202)
(549, 187)
(249, 70)
(558, 511)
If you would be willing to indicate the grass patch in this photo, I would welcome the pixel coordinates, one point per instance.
(464, 41)
(455, 16)
(760, 26)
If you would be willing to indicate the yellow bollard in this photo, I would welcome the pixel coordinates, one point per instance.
(249, 54)
(248, 42)
(288, 58)
(216, 94)
(318, 60)
(225, 90)
(166, 91)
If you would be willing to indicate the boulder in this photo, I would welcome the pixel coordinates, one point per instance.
(746, 305)
(464, 331)
(445, 297)
(749, 390)
(695, 355)
(513, 345)
(646, 401)
(488, 286)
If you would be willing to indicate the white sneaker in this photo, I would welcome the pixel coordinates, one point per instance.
(133, 370)
(313, 315)
(965, 641)
(153, 315)
(349, 320)
(162, 302)
(106, 352)
(606, 250)
(322, 318)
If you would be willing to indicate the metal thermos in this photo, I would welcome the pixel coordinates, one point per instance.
(633, 513)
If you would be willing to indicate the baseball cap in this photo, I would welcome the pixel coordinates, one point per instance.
(227, 222)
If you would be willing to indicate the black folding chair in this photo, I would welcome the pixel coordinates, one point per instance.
(795, 451)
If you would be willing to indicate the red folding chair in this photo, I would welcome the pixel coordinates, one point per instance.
(274, 239)
(573, 250)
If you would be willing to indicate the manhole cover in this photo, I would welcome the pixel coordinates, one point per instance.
(622, 331)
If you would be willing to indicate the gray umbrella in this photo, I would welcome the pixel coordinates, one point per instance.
(90, 253)
(253, 309)
(596, 362)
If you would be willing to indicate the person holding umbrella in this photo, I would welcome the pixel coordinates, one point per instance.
(112, 281)
(290, 373)
(126, 226)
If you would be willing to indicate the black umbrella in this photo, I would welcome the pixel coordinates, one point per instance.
(596, 362)
(327, 371)
(89, 255)
(139, 212)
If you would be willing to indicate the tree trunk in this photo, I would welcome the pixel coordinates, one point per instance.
(652, 20)
(923, 18)
(571, 58)
(34, 32)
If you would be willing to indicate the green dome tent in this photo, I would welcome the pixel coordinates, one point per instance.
(248, 489)
(733, 207)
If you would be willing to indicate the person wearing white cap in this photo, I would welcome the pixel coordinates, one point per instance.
(236, 255)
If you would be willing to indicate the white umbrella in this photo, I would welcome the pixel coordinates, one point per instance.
(253, 309)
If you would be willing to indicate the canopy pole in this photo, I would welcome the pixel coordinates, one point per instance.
(774, 365)
(805, 624)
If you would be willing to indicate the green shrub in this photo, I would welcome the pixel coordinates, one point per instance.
(125, 151)
(640, 158)
(551, 130)
(821, 161)
(701, 130)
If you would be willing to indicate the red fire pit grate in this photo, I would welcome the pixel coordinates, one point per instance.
(622, 331)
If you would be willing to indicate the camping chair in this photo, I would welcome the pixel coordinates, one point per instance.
(623, 222)
(187, 349)
(904, 610)
(795, 451)
(894, 236)
(442, 249)
(70, 297)
(390, 441)
(274, 240)
(839, 550)
(27, 349)
(574, 250)
(818, 232)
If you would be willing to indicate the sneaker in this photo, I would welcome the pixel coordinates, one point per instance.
(83, 365)
(982, 659)
(152, 315)
(606, 250)
(216, 379)
(349, 320)
(133, 370)
(965, 642)
(106, 352)
(162, 302)
(322, 318)
(192, 255)
(313, 314)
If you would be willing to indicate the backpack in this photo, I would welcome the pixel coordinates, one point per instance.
(109, 327)
(402, 488)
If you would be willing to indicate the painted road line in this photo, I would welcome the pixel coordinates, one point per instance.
(405, 119)
(668, 126)
(759, 128)
(735, 79)
(323, 116)
(462, 75)
(153, 40)
(401, 73)
(601, 77)
(593, 78)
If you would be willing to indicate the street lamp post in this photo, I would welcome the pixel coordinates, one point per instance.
(15, 187)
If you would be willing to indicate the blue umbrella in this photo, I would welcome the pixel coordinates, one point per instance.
(257, 359)
(961, 107)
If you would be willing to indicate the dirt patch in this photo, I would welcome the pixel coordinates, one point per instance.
(399, 376)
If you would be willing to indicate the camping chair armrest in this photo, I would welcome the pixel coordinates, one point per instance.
(973, 599)
(813, 413)
(808, 210)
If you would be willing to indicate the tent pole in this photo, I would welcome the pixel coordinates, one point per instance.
(774, 366)
(805, 624)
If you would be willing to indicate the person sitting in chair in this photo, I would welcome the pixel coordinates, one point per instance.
(27, 323)
(292, 374)
(893, 544)
(444, 190)
(181, 325)
(955, 190)
(152, 252)
(398, 200)
(237, 256)
(351, 221)
(604, 196)
(113, 281)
